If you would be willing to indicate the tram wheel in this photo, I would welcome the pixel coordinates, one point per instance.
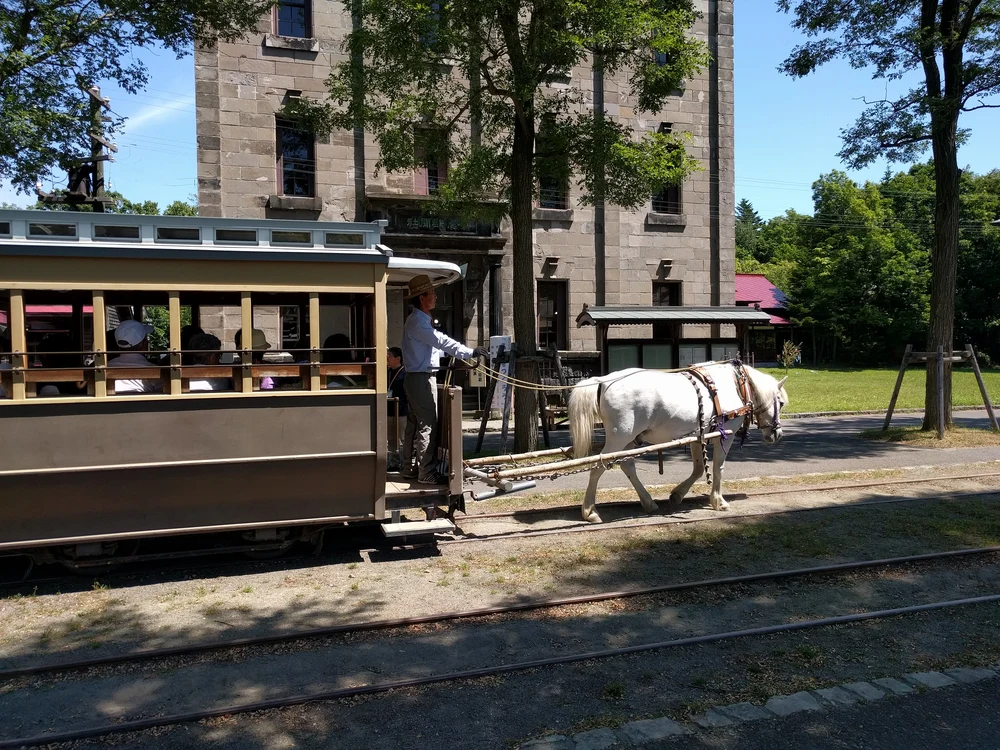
(87, 559)
(268, 544)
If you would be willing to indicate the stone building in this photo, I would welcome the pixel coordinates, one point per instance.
(678, 249)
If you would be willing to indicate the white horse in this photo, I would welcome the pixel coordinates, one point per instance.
(649, 406)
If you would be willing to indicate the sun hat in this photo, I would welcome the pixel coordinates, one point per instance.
(131, 333)
(259, 340)
(420, 285)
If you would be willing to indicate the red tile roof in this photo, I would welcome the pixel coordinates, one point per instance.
(755, 288)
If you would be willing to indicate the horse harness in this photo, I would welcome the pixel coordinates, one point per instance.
(720, 417)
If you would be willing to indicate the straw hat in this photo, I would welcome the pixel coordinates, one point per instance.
(419, 285)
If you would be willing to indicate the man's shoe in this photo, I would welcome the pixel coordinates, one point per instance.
(432, 479)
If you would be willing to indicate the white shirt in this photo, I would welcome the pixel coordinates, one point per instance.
(211, 384)
(135, 359)
(423, 345)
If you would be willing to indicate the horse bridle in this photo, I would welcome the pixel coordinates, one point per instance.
(775, 421)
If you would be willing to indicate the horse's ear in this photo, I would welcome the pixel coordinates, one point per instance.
(781, 383)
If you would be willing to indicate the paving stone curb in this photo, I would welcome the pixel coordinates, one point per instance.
(639, 733)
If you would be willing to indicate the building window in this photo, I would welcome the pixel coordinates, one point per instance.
(427, 179)
(292, 18)
(666, 293)
(553, 193)
(552, 315)
(296, 160)
(668, 200)
(552, 165)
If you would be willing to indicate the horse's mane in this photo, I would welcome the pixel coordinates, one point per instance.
(764, 387)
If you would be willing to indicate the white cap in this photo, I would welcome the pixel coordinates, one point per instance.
(130, 333)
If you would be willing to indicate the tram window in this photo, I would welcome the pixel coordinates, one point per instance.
(283, 237)
(280, 321)
(141, 338)
(4, 229)
(112, 232)
(178, 234)
(242, 236)
(6, 387)
(50, 229)
(352, 240)
(59, 334)
(347, 333)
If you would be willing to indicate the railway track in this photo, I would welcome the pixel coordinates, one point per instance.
(179, 568)
(123, 727)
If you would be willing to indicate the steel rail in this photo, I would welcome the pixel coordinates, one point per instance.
(361, 627)
(576, 528)
(385, 687)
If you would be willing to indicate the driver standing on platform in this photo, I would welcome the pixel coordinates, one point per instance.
(423, 346)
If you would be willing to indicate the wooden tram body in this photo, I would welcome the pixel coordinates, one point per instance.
(79, 473)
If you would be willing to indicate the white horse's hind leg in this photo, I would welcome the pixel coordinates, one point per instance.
(718, 460)
(590, 498)
(681, 490)
(648, 503)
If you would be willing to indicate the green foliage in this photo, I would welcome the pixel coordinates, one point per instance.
(857, 272)
(51, 49)
(122, 205)
(158, 316)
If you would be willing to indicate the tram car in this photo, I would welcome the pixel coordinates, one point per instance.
(165, 376)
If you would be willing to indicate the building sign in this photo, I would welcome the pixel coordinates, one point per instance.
(414, 222)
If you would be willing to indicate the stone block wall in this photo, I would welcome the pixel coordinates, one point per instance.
(240, 87)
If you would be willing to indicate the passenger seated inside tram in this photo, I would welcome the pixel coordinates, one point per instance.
(54, 351)
(188, 332)
(207, 349)
(132, 339)
(342, 354)
(259, 345)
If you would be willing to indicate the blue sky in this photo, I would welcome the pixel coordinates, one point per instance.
(787, 131)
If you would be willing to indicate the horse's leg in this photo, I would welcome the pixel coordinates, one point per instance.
(590, 497)
(718, 460)
(648, 503)
(679, 492)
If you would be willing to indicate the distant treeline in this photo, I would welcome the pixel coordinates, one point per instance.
(857, 272)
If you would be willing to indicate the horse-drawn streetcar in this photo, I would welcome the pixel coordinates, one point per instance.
(204, 375)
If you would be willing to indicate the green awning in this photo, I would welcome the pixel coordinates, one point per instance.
(640, 314)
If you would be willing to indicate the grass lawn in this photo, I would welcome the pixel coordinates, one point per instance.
(959, 437)
(845, 389)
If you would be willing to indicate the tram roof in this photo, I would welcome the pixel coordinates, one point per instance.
(84, 234)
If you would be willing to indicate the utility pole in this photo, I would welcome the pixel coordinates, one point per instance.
(86, 175)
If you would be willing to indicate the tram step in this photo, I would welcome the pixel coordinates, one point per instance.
(417, 528)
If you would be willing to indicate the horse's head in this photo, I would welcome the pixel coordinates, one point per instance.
(769, 398)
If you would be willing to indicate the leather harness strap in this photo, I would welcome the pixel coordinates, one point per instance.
(742, 388)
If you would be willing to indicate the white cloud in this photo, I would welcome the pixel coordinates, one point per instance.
(153, 113)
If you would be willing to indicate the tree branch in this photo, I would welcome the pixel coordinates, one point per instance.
(981, 106)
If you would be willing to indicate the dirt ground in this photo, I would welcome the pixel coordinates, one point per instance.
(125, 612)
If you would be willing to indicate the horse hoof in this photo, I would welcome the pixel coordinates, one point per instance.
(651, 507)
(676, 498)
(593, 518)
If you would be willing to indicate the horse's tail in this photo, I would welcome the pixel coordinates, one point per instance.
(584, 410)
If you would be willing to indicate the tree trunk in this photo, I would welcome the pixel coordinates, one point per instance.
(944, 265)
(525, 404)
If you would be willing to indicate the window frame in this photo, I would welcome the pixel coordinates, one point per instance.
(560, 314)
(307, 12)
(282, 126)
